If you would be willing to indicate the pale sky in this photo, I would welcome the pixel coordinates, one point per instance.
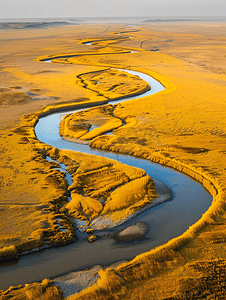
(110, 8)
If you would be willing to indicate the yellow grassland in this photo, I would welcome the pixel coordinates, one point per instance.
(30, 190)
(77, 125)
(182, 127)
(110, 84)
(127, 194)
(124, 84)
(44, 290)
(33, 213)
(188, 136)
(84, 207)
(120, 187)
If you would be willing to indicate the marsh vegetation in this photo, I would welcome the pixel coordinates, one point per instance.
(182, 127)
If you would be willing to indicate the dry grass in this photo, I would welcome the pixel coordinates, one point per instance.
(187, 136)
(183, 127)
(78, 125)
(113, 84)
(117, 185)
(84, 208)
(128, 194)
(13, 98)
(26, 192)
(40, 291)
(8, 253)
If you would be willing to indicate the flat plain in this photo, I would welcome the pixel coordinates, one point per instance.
(182, 127)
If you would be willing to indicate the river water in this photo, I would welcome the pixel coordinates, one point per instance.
(166, 221)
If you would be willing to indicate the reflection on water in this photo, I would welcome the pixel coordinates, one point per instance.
(165, 221)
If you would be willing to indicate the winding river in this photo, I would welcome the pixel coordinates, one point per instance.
(165, 221)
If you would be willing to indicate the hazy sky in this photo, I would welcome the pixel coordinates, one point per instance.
(110, 8)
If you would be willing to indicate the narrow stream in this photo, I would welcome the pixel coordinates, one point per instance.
(165, 221)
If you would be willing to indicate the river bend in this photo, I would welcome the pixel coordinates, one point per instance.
(165, 221)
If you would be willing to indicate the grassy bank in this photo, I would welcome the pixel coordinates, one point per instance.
(182, 127)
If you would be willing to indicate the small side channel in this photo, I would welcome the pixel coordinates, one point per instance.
(165, 221)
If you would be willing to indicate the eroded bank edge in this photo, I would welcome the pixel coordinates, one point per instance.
(209, 183)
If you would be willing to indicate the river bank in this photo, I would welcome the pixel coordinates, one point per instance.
(48, 133)
(176, 133)
(55, 135)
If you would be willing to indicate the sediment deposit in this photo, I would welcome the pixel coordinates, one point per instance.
(182, 127)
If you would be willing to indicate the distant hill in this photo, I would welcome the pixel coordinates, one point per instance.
(31, 25)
